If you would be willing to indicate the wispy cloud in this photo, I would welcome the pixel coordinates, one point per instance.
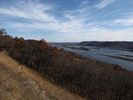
(125, 22)
(102, 34)
(72, 21)
(104, 3)
(76, 24)
(84, 3)
(29, 10)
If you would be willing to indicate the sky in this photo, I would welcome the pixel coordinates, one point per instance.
(68, 20)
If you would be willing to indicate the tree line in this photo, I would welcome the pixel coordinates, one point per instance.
(91, 79)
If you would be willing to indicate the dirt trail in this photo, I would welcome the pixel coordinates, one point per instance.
(30, 80)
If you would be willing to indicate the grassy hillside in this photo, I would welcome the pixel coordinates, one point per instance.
(25, 84)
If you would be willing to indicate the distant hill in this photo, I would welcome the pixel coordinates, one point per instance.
(62, 43)
(114, 44)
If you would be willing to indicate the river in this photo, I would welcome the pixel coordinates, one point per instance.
(93, 54)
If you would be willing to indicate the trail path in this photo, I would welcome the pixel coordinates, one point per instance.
(30, 83)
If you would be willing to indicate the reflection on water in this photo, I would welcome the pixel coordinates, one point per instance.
(93, 55)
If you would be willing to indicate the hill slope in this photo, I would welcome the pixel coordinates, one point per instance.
(17, 82)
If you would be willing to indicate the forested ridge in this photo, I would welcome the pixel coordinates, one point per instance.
(91, 79)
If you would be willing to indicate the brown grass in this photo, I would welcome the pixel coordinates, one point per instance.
(27, 84)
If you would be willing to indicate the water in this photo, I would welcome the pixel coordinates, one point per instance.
(93, 55)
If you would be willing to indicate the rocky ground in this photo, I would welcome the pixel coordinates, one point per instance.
(17, 82)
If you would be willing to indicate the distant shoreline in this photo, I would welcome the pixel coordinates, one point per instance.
(119, 49)
(95, 47)
(118, 45)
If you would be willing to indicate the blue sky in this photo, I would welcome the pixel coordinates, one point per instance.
(68, 20)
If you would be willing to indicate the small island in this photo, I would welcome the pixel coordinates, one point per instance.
(122, 58)
(124, 55)
(77, 48)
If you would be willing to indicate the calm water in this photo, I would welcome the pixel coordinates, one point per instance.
(93, 55)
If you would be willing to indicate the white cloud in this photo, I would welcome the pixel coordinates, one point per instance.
(79, 24)
(102, 34)
(125, 22)
(65, 27)
(69, 16)
(84, 3)
(29, 11)
(41, 19)
(104, 3)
